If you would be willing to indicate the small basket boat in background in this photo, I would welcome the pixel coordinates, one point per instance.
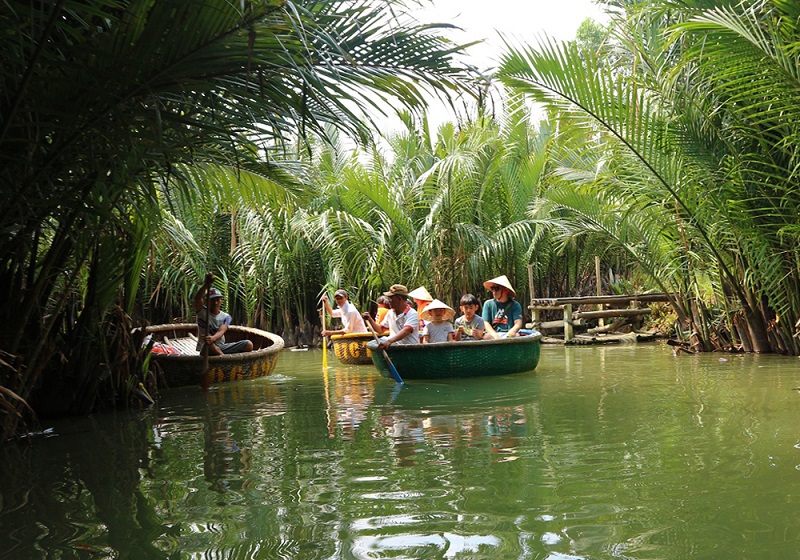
(352, 348)
(181, 364)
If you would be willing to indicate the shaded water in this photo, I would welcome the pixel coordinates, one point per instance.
(615, 452)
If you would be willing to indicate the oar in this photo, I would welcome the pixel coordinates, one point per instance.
(392, 369)
(324, 341)
(205, 378)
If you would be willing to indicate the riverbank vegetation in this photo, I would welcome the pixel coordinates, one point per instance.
(145, 143)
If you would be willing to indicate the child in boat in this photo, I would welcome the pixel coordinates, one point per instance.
(469, 326)
(437, 316)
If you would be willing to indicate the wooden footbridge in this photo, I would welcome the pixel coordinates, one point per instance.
(618, 308)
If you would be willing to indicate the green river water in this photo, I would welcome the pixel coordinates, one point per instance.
(602, 452)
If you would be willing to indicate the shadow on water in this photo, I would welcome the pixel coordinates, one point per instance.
(60, 493)
(102, 486)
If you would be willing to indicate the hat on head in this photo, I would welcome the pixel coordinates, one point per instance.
(500, 281)
(214, 293)
(397, 290)
(421, 294)
(342, 293)
(436, 304)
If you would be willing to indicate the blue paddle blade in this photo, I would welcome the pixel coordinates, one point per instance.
(396, 375)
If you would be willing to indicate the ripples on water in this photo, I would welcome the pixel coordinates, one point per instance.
(601, 453)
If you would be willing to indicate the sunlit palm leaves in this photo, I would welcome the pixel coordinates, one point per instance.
(705, 115)
(111, 110)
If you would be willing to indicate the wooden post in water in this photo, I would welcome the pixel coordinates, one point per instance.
(535, 313)
(568, 322)
(600, 322)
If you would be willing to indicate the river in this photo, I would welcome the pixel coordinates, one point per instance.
(602, 452)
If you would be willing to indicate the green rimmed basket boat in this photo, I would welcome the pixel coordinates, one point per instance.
(352, 348)
(185, 369)
(471, 358)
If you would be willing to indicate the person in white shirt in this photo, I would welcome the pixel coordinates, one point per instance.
(347, 312)
(401, 322)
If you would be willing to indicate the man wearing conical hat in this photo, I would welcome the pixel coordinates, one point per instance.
(502, 313)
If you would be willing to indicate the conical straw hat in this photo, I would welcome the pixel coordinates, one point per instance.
(421, 294)
(436, 304)
(500, 281)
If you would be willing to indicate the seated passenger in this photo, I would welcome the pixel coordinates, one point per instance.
(214, 322)
(437, 316)
(383, 306)
(502, 313)
(469, 326)
(421, 298)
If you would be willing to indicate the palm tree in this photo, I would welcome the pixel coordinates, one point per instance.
(697, 119)
(109, 106)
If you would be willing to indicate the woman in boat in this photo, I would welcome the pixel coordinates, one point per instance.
(212, 323)
(383, 307)
(502, 314)
(347, 312)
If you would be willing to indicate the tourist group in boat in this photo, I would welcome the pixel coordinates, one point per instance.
(430, 320)
(398, 321)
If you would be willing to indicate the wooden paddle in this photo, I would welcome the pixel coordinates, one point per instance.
(205, 378)
(392, 369)
(324, 341)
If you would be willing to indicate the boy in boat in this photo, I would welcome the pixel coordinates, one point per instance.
(217, 321)
(347, 312)
(469, 326)
(401, 321)
(502, 313)
(437, 317)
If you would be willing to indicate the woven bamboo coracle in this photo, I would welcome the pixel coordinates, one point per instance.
(470, 358)
(186, 368)
(352, 348)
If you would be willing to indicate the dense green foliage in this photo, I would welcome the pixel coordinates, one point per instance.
(117, 114)
(694, 104)
(144, 143)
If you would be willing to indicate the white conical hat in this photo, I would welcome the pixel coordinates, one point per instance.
(436, 304)
(500, 281)
(421, 294)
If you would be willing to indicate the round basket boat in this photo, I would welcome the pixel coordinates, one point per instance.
(472, 358)
(352, 348)
(185, 366)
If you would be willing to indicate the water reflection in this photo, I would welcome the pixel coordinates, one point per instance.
(435, 414)
(602, 453)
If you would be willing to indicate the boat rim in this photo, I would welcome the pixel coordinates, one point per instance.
(455, 344)
(276, 346)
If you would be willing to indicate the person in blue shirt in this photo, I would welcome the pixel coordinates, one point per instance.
(502, 314)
